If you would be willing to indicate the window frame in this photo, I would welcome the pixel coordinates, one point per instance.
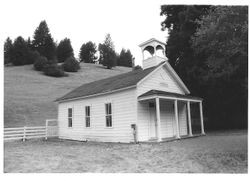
(89, 116)
(70, 117)
(108, 113)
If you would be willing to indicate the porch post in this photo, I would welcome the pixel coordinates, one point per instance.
(189, 119)
(176, 119)
(201, 115)
(158, 118)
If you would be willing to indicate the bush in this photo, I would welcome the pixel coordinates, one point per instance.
(32, 56)
(40, 63)
(53, 70)
(137, 67)
(71, 65)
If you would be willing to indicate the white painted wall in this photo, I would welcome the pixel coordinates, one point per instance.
(168, 123)
(159, 80)
(182, 110)
(126, 111)
(167, 119)
(152, 61)
(143, 116)
(123, 110)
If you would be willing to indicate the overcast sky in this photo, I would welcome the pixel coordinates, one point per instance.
(129, 22)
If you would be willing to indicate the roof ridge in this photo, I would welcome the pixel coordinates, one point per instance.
(108, 84)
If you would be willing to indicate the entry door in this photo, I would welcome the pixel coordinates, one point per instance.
(152, 121)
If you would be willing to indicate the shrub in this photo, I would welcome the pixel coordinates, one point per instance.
(137, 67)
(53, 70)
(71, 65)
(40, 63)
(32, 56)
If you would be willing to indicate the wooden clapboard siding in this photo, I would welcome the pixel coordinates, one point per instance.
(123, 115)
(168, 122)
(152, 61)
(182, 118)
(159, 80)
(143, 116)
(167, 118)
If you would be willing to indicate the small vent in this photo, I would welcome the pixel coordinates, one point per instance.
(164, 84)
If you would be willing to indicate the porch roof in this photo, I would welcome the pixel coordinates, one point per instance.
(168, 95)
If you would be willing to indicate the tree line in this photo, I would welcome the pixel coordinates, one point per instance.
(208, 48)
(45, 54)
(108, 56)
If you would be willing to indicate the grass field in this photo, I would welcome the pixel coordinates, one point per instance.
(214, 153)
(29, 95)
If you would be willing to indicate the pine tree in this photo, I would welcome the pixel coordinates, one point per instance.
(20, 51)
(8, 49)
(64, 50)
(125, 58)
(107, 53)
(43, 42)
(29, 43)
(87, 52)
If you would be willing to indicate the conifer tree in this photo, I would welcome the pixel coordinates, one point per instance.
(43, 41)
(107, 53)
(64, 50)
(8, 49)
(87, 52)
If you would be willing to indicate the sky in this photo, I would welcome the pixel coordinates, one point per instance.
(129, 22)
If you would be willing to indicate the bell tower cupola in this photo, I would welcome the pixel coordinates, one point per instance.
(153, 53)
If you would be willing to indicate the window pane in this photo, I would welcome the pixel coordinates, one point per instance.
(106, 108)
(110, 110)
(87, 111)
(70, 112)
(87, 121)
(69, 122)
(109, 121)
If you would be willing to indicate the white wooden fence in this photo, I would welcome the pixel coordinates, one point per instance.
(23, 133)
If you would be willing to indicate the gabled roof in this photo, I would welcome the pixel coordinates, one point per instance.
(151, 40)
(110, 84)
(169, 94)
(177, 78)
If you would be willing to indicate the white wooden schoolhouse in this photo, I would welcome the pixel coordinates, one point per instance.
(152, 104)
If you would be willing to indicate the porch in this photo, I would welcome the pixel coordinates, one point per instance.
(172, 115)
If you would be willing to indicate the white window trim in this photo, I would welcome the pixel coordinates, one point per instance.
(90, 125)
(72, 117)
(112, 113)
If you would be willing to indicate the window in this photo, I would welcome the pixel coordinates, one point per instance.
(108, 109)
(87, 116)
(70, 117)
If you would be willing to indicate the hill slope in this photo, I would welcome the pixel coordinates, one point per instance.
(29, 95)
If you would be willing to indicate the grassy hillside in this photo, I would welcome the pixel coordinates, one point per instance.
(29, 95)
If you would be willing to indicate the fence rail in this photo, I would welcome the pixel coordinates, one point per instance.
(23, 133)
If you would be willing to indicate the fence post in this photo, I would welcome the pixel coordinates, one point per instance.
(46, 130)
(24, 133)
